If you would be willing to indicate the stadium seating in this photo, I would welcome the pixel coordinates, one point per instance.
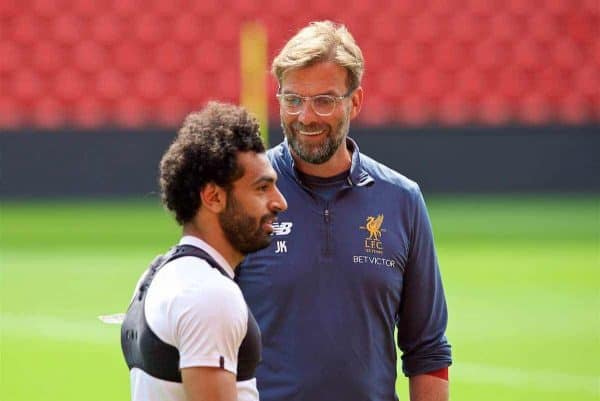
(92, 63)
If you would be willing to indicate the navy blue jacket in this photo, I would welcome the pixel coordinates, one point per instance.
(338, 278)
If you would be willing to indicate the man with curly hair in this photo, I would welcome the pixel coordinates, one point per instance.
(188, 334)
(353, 259)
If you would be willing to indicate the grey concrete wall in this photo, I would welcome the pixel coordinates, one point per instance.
(113, 162)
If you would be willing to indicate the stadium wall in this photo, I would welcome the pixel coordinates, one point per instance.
(123, 163)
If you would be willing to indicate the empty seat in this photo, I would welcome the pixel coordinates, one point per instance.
(11, 57)
(68, 29)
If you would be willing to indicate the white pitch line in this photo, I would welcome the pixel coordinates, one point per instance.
(93, 331)
(89, 330)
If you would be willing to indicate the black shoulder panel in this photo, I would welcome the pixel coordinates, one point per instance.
(141, 346)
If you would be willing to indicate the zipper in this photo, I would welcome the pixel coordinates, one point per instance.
(326, 217)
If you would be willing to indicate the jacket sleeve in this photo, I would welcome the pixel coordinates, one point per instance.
(423, 314)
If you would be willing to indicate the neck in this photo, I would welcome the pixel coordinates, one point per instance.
(216, 239)
(338, 163)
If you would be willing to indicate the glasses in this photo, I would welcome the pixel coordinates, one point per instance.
(322, 105)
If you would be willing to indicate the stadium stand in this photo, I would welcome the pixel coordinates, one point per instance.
(95, 63)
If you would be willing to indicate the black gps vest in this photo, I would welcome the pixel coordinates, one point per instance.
(144, 350)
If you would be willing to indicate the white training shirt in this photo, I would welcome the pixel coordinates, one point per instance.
(193, 307)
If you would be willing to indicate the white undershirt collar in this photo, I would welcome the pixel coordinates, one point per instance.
(197, 242)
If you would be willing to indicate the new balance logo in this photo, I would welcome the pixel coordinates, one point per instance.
(281, 247)
(283, 228)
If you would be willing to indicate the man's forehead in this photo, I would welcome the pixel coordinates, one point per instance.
(321, 77)
(256, 167)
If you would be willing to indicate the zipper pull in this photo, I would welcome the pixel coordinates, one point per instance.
(326, 215)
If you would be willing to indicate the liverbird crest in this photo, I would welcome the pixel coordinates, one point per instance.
(373, 226)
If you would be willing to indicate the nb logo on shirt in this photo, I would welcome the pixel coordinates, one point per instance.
(283, 228)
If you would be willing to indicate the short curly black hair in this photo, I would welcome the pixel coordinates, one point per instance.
(205, 150)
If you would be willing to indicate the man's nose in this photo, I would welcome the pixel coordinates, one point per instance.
(279, 203)
(307, 114)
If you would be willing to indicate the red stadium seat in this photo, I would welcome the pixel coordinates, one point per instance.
(112, 84)
(25, 29)
(534, 109)
(26, 85)
(505, 28)
(196, 87)
(106, 29)
(588, 81)
(226, 30)
(89, 56)
(187, 30)
(425, 28)
(149, 28)
(455, 110)
(131, 112)
(68, 29)
(126, 8)
(513, 83)
(47, 57)
(129, 56)
(521, 8)
(208, 56)
(449, 55)
(559, 7)
(208, 8)
(471, 83)
(550, 83)
(69, 85)
(490, 54)
(528, 54)
(90, 113)
(494, 109)
(575, 109)
(229, 85)
(542, 27)
(170, 57)
(480, 9)
(9, 9)
(407, 55)
(432, 83)
(89, 8)
(11, 116)
(566, 55)
(465, 28)
(11, 57)
(46, 8)
(171, 111)
(151, 85)
(414, 110)
(49, 113)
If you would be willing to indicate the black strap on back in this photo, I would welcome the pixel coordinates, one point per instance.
(141, 346)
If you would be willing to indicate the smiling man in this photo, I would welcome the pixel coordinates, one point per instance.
(353, 257)
(188, 334)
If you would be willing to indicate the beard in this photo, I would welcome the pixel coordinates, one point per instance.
(317, 153)
(244, 232)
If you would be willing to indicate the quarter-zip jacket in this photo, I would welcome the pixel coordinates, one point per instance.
(338, 278)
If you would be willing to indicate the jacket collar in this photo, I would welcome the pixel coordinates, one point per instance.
(358, 175)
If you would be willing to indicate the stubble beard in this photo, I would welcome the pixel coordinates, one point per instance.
(316, 153)
(244, 232)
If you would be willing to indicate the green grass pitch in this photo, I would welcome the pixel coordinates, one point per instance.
(521, 275)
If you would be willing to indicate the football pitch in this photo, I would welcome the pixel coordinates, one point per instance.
(521, 275)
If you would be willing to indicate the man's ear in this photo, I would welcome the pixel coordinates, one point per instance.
(357, 101)
(213, 197)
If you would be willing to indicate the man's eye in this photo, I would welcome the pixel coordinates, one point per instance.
(323, 101)
(294, 101)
